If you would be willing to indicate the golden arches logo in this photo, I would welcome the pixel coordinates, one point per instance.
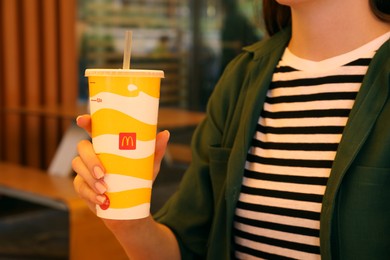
(127, 141)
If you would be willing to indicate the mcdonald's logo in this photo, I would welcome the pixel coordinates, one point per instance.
(127, 141)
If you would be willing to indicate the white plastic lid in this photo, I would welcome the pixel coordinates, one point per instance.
(124, 73)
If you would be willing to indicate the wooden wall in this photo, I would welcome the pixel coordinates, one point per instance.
(38, 67)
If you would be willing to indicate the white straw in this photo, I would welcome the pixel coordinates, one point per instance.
(127, 50)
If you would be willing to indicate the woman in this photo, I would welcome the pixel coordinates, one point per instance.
(292, 160)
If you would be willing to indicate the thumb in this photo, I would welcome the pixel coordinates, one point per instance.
(162, 139)
(84, 121)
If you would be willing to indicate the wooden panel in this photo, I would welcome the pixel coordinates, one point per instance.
(68, 51)
(51, 80)
(11, 81)
(67, 29)
(1, 83)
(39, 67)
(32, 81)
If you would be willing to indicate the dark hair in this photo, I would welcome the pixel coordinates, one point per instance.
(381, 8)
(277, 16)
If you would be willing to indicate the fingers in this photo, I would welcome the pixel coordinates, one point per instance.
(84, 121)
(89, 159)
(84, 191)
(162, 139)
(89, 183)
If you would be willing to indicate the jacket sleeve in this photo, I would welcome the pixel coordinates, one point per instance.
(189, 212)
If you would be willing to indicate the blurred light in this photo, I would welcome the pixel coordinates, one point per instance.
(211, 12)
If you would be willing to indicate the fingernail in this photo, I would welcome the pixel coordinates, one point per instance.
(98, 172)
(77, 118)
(101, 198)
(105, 201)
(168, 133)
(100, 187)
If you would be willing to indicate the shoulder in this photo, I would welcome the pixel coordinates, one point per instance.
(268, 49)
(380, 64)
(255, 64)
(259, 58)
(269, 46)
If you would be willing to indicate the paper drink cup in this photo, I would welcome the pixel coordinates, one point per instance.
(124, 109)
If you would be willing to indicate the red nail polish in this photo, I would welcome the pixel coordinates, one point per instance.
(106, 203)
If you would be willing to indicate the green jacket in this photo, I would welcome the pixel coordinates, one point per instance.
(355, 218)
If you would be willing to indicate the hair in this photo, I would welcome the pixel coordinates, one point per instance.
(381, 8)
(277, 16)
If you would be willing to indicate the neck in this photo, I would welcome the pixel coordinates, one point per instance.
(323, 29)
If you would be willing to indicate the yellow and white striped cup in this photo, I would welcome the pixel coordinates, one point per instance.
(124, 109)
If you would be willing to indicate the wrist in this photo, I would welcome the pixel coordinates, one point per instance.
(126, 225)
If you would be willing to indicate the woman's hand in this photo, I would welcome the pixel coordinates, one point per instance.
(89, 183)
(140, 238)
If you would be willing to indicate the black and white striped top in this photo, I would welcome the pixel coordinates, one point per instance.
(289, 162)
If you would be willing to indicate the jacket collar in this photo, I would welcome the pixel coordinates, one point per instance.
(277, 43)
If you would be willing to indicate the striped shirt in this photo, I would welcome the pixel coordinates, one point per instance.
(292, 151)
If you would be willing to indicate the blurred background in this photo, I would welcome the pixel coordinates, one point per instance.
(45, 47)
(47, 44)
